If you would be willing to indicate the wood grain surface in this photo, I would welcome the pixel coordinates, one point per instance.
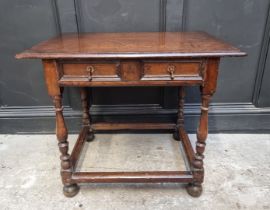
(132, 45)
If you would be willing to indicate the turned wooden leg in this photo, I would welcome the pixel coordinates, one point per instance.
(86, 116)
(195, 188)
(70, 189)
(180, 115)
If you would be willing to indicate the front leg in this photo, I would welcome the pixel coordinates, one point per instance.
(51, 73)
(207, 90)
(195, 188)
(70, 189)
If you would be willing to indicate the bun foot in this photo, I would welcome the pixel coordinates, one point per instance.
(176, 136)
(194, 190)
(90, 137)
(71, 190)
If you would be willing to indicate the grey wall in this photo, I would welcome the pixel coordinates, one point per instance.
(242, 101)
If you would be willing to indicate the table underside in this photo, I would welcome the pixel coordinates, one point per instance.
(185, 176)
(71, 177)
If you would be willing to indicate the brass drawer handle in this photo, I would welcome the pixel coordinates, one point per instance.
(171, 70)
(90, 70)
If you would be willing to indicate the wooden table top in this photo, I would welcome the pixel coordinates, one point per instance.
(132, 45)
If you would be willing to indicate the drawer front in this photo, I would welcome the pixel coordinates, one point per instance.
(91, 71)
(132, 71)
(175, 70)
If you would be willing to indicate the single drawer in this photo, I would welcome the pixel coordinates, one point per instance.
(172, 70)
(109, 71)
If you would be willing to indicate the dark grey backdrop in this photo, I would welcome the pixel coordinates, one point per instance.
(242, 100)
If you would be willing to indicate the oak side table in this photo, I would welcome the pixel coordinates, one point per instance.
(131, 59)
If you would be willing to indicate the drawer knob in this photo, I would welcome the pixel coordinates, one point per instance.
(90, 70)
(171, 70)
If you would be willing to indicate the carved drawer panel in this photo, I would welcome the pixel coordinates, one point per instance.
(172, 70)
(131, 70)
(108, 71)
